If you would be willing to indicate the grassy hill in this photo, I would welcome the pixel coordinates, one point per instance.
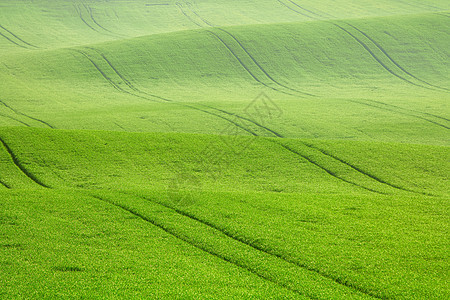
(224, 149)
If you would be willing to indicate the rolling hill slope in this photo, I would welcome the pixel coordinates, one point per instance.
(224, 149)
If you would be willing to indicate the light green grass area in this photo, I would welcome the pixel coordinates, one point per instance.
(270, 149)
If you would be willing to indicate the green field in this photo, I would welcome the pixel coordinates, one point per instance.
(265, 149)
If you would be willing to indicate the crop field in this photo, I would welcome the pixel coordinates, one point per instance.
(224, 149)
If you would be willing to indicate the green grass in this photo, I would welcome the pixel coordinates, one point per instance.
(138, 158)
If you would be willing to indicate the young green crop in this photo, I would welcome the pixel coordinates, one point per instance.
(271, 149)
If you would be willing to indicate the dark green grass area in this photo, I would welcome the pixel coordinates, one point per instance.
(224, 149)
(332, 223)
(111, 160)
(237, 244)
(73, 245)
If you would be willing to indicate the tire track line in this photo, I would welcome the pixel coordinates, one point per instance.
(278, 135)
(28, 116)
(401, 113)
(246, 119)
(325, 169)
(406, 109)
(78, 9)
(12, 41)
(248, 242)
(261, 68)
(247, 69)
(185, 239)
(395, 63)
(302, 8)
(80, 14)
(18, 38)
(392, 60)
(226, 119)
(131, 86)
(376, 178)
(442, 14)
(367, 48)
(89, 9)
(436, 116)
(14, 119)
(250, 56)
(294, 10)
(20, 166)
(117, 87)
(91, 13)
(244, 128)
(5, 185)
(124, 79)
(112, 83)
(180, 6)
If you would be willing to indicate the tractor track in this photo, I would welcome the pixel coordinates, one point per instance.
(89, 9)
(251, 132)
(5, 185)
(427, 85)
(250, 243)
(327, 170)
(101, 30)
(245, 67)
(187, 240)
(77, 8)
(20, 166)
(14, 119)
(401, 113)
(117, 87)
(18, 38)
(25, 115)
(367, 48)
(376, 178)
(302, 8)
(393, 61)
(12, 41)
(114, 85)
(294, 10)
(442, 14)
(241, 46)
(261, 68)
(125, 80)
(406, 109)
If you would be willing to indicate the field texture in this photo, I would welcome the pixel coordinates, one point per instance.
(264, 149)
